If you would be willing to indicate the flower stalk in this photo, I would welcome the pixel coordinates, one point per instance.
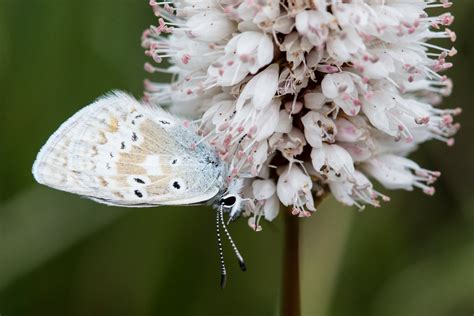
(290, 293)
(291, 282)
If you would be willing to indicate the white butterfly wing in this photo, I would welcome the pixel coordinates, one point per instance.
(120, 152)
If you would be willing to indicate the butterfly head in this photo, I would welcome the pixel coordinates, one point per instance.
(231, 200)
(231, 203)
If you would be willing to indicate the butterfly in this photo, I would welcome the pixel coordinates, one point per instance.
(120, 152)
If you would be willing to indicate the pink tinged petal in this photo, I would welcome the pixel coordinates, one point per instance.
(318, 159)
(260, 89)
(344, 45)
(248, 42)
(296, 136)
(301, 22)
(263, 189)
(285, 122)
(318, 128)
(267, 121)
(260, 155)
(359, 151)
(203, 4)
(284, 24)
(391, 176)
(285, 191)
(225, 73)
(337, 49)
(314, 57)
(293, 107)
(253, 49)
(220, 112)
(293, 183)
(359, 189)
(395, 172)
(271, 208)
(376, 109)
(333, 85)
(231, 46)
(314, 25)
(265, 51)
(330, 87)
(314, 100)
(380, 69)
(333, 161)
(339, 158)
(245, 11)
(290, 144)
(312, 130)
(210, 26)
(347, 131)
(341, 190)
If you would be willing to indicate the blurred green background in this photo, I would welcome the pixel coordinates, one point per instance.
(63, 255)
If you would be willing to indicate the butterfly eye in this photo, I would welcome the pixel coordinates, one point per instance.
(229, 201)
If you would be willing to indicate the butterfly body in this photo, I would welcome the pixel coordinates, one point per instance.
(120, 152)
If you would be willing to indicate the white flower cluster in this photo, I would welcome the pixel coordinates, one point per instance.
(303, 97)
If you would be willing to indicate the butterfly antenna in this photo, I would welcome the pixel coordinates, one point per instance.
(242, 265)
(221, 253)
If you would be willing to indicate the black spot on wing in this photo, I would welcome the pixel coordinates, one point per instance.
(138, 180)
(138, 193)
